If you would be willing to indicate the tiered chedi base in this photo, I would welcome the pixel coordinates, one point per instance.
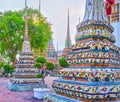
(84, 83)
(25, 75)
(98, 66)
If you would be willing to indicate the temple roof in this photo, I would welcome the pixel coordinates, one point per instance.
(51, 53)
(50, 45)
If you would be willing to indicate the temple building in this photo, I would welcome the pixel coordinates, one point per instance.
(94, 72)
(113, 13)
(25, 75)
(68, 40)
(51, 55)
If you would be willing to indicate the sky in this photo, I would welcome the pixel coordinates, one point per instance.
(56, 12)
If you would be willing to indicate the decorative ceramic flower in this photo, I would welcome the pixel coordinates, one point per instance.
(102, 74)
(81, 74)
(79, 88)
(113, 74)
(73, 74)
(104, 89)
(92, 74)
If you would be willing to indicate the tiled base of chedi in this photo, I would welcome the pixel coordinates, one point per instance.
(25, 75)
(94, 72)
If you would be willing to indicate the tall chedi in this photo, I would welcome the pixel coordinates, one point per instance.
(25, 75)
(68, 39)
(94, 72)
(113, 13)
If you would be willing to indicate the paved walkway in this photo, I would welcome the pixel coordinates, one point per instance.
(8, 96)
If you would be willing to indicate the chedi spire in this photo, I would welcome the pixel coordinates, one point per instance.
(26, 44)
(68, 39)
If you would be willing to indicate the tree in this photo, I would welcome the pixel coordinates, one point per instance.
(1, 64)
(50, 65)
(63, 62)
(41, 60)
(8, 69)
(12, 31)
(11, 70)
(38, 65)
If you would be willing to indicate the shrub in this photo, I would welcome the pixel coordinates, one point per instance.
(8, 69)
(39, 75)
(50, 65)
(41, 60)
(63, 62)
(38, 65)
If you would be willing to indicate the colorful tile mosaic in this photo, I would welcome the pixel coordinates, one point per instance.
(94, 72)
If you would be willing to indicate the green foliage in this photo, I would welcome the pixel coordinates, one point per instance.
(1, 64)
(63, 62)
(50, 65)
(39, 75)
(41, 60)
(11, 70)
(38, 65)
(12, 30)
(8, 69)
(3, 74)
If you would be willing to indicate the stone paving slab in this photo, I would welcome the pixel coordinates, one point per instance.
(9, 96)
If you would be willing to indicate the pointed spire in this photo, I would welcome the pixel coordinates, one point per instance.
(26, 9)
(68, 26)
(68, 40)
(26, 22)
(26, 44)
